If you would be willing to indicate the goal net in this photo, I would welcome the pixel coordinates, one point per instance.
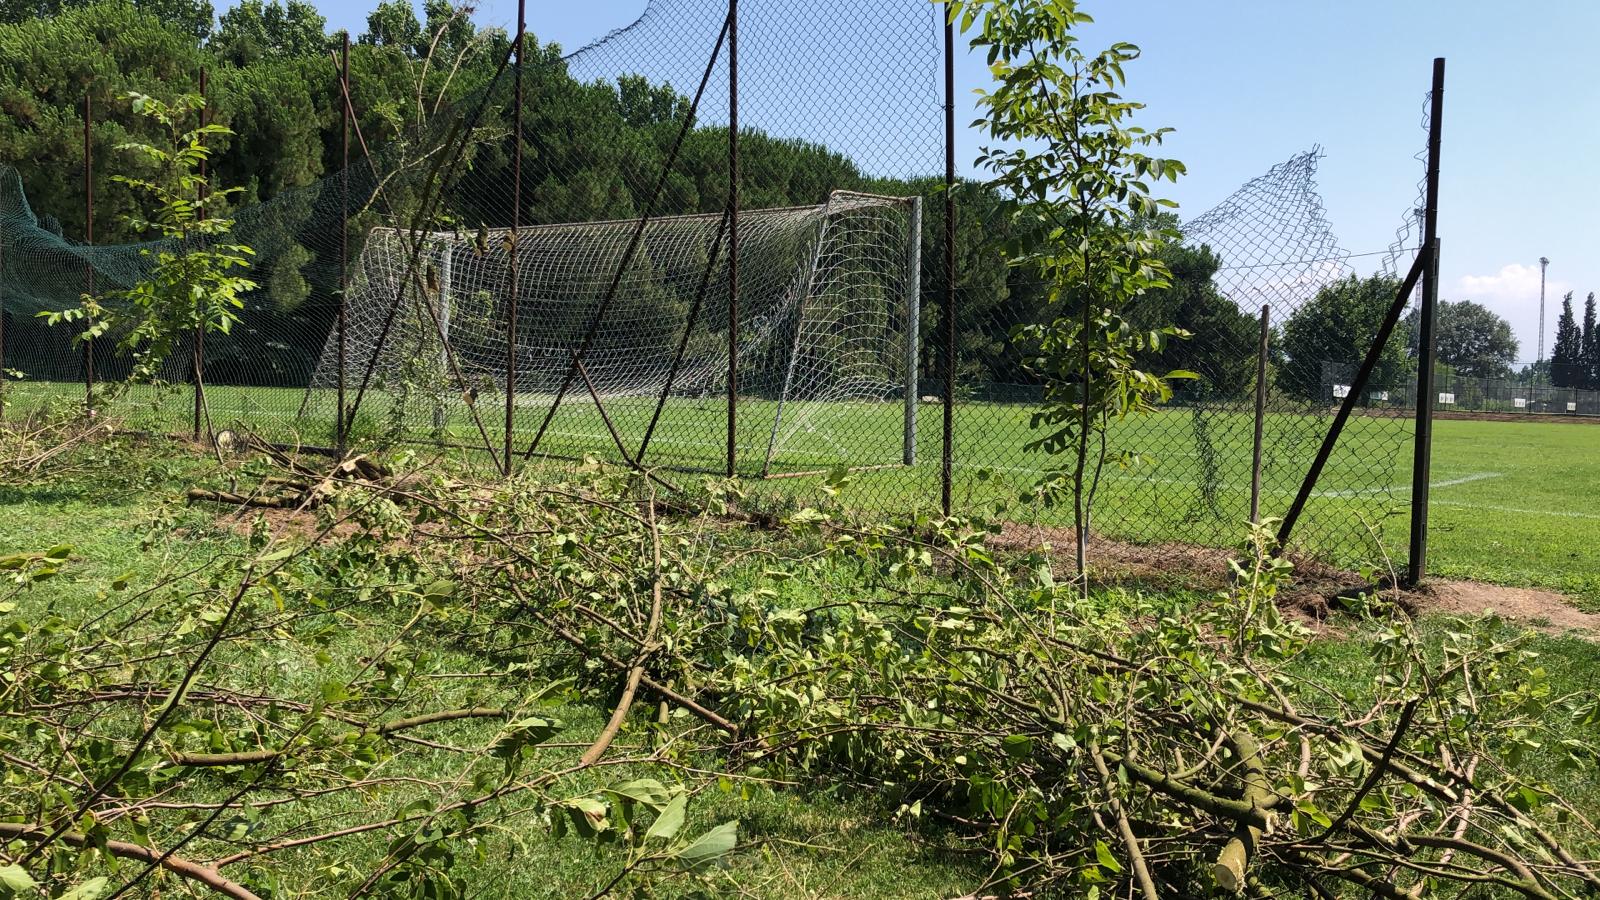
(826, 336)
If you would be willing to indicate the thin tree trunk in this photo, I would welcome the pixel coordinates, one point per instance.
(1080, 510)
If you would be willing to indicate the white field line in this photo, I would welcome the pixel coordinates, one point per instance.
(1558, 513)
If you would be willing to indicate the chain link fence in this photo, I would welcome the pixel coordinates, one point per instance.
(1505, 396)
(576, 275)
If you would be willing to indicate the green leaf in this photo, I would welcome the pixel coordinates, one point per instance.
(1310, 811)
(648, 791)
(588, 815)
(1102, 855)
(707, 848)
(89, 890)
(14, 880)
(670, 821)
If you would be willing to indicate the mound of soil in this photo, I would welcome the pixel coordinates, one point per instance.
(1317, 588)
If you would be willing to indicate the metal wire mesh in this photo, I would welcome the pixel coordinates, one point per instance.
(626, 142)
(825, 308)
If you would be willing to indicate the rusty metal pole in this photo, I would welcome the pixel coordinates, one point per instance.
(1261, 413)
(199, 360)
(2, 325)
(340, 426)
(516, 240)
(1422, 459)
(88, 240)
(947, 456)
(733, 233)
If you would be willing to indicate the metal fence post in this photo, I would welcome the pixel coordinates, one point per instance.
(88, 241)
(2, 325)
(733, 233)
(199, 360)
(340, 427)
(1357, 390)
(1261, 413)
(1417, 559)
(947, 453)
(516, 240)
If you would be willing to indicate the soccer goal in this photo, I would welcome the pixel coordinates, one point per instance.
(635, 322)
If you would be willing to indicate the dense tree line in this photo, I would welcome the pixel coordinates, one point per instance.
(1575, 360)
(591, 150)
(1471, 340)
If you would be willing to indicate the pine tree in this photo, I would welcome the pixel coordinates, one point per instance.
(1566, 363)
(1589, 348)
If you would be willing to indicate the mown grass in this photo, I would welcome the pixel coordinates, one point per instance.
(1513, 502)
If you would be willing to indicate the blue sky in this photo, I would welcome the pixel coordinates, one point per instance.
(1247, 83)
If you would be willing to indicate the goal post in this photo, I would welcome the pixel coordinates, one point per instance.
(446, 288)
(827, 331)
(913, 306)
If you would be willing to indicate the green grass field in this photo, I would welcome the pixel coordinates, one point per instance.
(801, 841)
(1513, 502)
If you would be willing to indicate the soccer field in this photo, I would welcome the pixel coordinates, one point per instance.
(1513, 502)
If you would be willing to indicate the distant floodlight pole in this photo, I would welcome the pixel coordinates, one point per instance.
(1544, 263)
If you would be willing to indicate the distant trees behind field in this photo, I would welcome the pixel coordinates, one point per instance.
(1575, 361)
(591, 151)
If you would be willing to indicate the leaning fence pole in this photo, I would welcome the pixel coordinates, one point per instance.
(1261, 413)
(1358, 388)
(947, 454)
(339, 424)
(2, 324)
(733, 234)
(199, 359)
(1422, 459)
(88, 240)
(913, 326)
(516, 240)
(633, 242)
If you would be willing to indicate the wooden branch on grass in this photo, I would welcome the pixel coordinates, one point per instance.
(636, 673)
(262, 501)
(1234, 860)
(184, 868)
(387, 729)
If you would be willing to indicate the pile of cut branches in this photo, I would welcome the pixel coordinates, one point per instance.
(1117, 743)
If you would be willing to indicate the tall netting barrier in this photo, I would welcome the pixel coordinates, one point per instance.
(609, 268)
(255, 375)
(1184, 474)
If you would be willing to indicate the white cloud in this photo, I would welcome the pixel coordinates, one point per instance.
(1513, 292)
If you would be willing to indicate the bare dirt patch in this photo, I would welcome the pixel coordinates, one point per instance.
(1318, 589)
(1567, 418)
(1546, 610)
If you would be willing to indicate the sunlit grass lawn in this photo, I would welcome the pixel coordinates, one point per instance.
(1513, 502)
